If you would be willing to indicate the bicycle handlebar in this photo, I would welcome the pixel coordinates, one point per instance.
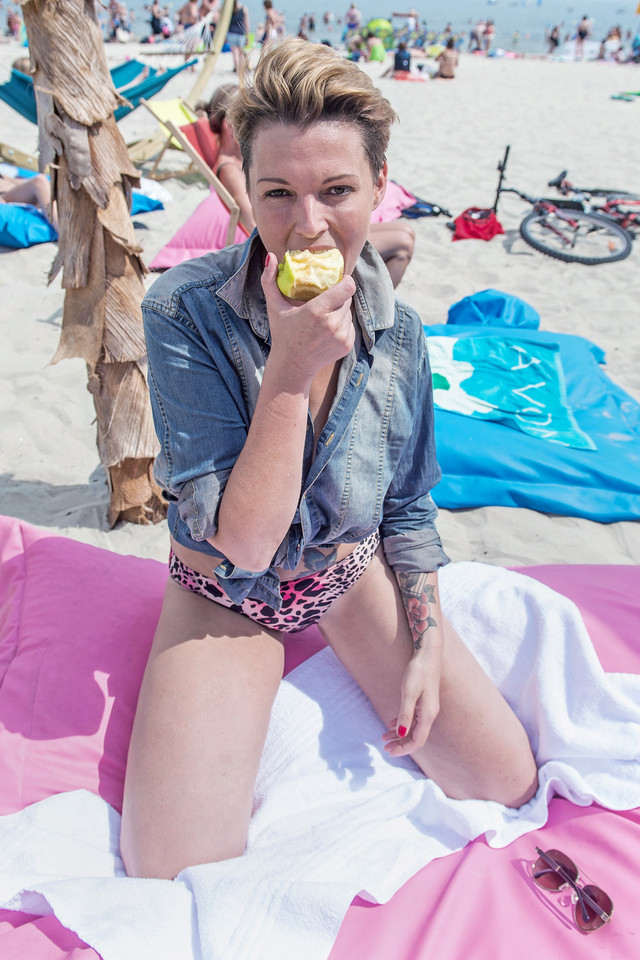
(558, 180)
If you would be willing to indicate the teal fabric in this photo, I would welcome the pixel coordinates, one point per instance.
(22, 225)
(485, 463)
(141, 203)
(516, 382)
(18, 91)
(494, 307)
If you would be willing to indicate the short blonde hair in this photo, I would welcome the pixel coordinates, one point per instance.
(301, 84)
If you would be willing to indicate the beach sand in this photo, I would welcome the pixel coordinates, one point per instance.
(445, 149)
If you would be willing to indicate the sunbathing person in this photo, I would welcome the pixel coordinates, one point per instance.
(394, 241)
(297, 456)
(34, 190)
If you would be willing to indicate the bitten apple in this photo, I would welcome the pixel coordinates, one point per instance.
(303, 274)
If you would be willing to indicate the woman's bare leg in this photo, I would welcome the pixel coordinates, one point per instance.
(36, 191)
(395, 242)
(199, 731)
(477, 747)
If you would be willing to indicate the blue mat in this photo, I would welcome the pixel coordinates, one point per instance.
(485, 463)
(22, 225)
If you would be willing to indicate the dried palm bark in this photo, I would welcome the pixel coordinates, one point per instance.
(102, 272)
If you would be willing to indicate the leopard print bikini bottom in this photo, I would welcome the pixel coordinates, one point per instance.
(304, 601)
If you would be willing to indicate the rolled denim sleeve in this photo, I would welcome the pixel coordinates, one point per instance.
(409, 536)
(199, 417)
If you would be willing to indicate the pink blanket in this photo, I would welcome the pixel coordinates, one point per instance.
(76, 624)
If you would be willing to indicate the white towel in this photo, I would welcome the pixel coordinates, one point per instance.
(333, 816)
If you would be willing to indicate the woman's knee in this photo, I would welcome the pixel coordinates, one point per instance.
(409, 239)
(478, 748)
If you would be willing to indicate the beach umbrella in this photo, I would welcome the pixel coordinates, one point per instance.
(91, 182)
(379, 27)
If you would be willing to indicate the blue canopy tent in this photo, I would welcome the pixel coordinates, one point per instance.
(18, 92)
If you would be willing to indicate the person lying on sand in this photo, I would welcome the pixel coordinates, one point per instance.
(34, 190)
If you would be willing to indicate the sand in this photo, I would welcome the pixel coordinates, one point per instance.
(445, 148)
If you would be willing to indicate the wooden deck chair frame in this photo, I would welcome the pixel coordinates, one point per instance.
(206, 171)
(156, 147)
(26, 161)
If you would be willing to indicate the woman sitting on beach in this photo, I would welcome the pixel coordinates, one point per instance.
(448, 61)
(297, 456)
(394, 241)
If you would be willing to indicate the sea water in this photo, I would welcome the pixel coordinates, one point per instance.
(520, 24)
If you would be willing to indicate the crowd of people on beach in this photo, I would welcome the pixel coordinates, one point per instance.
(611, 46)
(351, 30)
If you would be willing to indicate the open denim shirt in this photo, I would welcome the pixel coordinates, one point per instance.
(208, 340)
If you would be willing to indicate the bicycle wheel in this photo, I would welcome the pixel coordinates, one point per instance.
(576, 237)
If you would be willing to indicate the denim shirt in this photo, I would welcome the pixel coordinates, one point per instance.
(208, 339)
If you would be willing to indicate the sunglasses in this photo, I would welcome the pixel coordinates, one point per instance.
(592, 907)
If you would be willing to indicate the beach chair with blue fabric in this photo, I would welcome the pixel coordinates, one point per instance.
(19, 94)
(149, 88)
(173, 111)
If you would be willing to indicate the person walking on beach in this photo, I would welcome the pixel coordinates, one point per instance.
(239, 27)
(582, 33)
(352, 19)
(188, 14)
(553, 39)
(155, 21)
(297, 455)
(476, 35)
(273, 25)
(489, 32)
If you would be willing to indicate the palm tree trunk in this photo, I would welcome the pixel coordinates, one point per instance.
(91, 181)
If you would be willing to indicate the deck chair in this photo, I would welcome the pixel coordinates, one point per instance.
(125, 73)
(26, 161)
(201, 145)
(155, 146)
(18, 91)
(148, 88)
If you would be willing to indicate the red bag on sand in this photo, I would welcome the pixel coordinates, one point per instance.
(476, 224)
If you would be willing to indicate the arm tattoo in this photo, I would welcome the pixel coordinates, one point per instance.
(419, 600)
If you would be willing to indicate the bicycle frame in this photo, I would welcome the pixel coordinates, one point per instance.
(566, 229)
(537, 203)
(613, 200)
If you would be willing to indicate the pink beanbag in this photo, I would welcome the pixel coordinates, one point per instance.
(396, 199)
(76, 624)
(204, 231)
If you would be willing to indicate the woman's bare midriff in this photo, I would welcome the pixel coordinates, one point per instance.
(317, 559)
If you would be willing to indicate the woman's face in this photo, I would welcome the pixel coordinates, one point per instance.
(313, 189)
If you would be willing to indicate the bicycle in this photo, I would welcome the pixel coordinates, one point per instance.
(560, 228)
(620, 205)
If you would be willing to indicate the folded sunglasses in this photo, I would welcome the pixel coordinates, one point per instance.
(554, 870)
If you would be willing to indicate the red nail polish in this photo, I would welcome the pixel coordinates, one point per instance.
(402, 731)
